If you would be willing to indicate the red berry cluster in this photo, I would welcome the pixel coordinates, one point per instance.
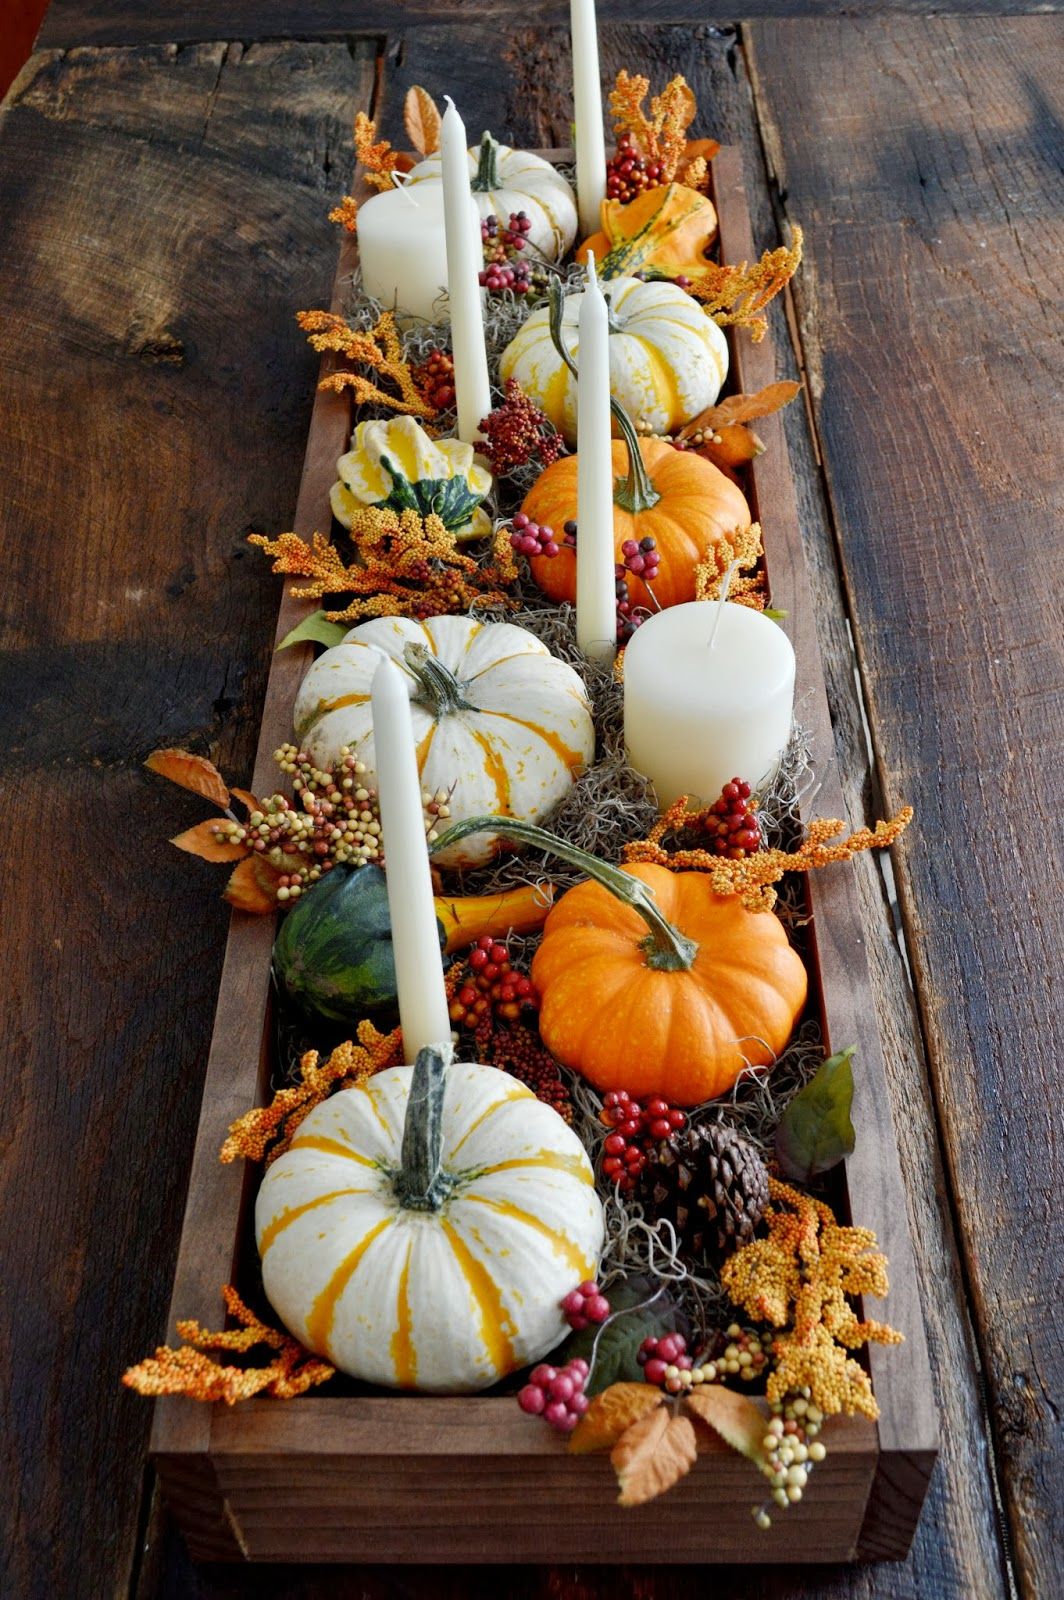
(661, 1358)
(642, 560)
(628, 173)
(491, 987)
(435, 379)
(732, 823)
(636, 1129)
(504, 267)
(531, 539)
(556, 1394)
(519, 1050)
(585, 1304)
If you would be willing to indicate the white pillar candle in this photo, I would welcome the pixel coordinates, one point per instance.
(423, 1011)
(697, 716)
(465, 258)
(402, 251)
(596, 597)
(587, 114)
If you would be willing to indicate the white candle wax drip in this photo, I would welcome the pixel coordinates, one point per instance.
(596, 601)
(465, 258)
(697, 716)
(423, 1011)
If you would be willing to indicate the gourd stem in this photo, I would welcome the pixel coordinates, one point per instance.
(487, 173)
(419, 1183)
(441, 688)
(636, 492)
(666, 948)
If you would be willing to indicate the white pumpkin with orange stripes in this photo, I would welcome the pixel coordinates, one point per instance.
(422, 1228)
(500, 723)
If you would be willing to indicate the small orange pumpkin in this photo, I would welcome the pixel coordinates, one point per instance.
(650, 981)
(686, 504)
(662, 234)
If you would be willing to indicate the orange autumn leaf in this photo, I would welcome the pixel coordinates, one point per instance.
(204, 842)
(422, 121)
(253, 887)
(701, 149)
(611, 1414)
(736, 1418)
(190, 772)
(743, 408)
(246, 798)
(652, 1455)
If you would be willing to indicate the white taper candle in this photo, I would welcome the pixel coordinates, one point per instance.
(423, 1011)
(465, 258)
(587, 114)
(596, 596)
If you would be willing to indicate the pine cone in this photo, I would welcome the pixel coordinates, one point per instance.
(711, 1184)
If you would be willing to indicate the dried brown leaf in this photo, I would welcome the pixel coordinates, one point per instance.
(202, 841)
(190, 772)
(422, 121)
(246, 798)
(611, 1414)
(652, 1455)
(737, 1419)
(743, 407)
(253, 887)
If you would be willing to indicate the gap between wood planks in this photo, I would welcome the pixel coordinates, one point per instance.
(778, 198)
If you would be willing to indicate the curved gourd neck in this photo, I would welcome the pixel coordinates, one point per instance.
(440, 690)
(635, 492)
(665, 947)
(421, 1183)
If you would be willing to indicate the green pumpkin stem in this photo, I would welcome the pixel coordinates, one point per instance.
(636, 492)
(665, 947)
(442, 690)
(487, 173)
(420, 1185)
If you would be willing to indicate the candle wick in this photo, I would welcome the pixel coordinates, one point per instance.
(399, 180)
(721, 598)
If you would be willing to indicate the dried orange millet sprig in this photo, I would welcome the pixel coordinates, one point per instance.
(801, 1279)
(753, 877)
(265, 1132)
(379, 348)
(737, 295)
(743, 546)
(378, 160)
(660, 138)
(191, 1372)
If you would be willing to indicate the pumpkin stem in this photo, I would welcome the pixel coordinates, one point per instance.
(419, 1184)
(440, 688)
(636, 492)
(665, 947)
(487, 173)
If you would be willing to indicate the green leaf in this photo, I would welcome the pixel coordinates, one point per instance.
(815, 1132)
(647, 1315)
(315, 629)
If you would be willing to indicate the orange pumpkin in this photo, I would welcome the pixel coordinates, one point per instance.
(686, 504)
(662, 234)
(650, 981)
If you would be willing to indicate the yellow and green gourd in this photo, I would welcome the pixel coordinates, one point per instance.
(668, 359)
(422, 1228)
(393, 463)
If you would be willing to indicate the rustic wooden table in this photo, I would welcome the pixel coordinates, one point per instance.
(165, 169)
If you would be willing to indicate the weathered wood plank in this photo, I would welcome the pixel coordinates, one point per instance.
(161, 213)
(925, 160)
(79, 22)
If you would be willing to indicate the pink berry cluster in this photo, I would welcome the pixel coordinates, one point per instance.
(530, 539)
(664, 1361)
(641, 560)
(556, 1394)
(503, 246)
(635, 1129)
(584, 1305)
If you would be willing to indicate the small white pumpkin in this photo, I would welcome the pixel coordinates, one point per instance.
(392, 462)
(506, 180)
(668, 359)
(421, 1229)
(497, 718)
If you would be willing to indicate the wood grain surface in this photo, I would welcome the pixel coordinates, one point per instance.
(161, 211)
